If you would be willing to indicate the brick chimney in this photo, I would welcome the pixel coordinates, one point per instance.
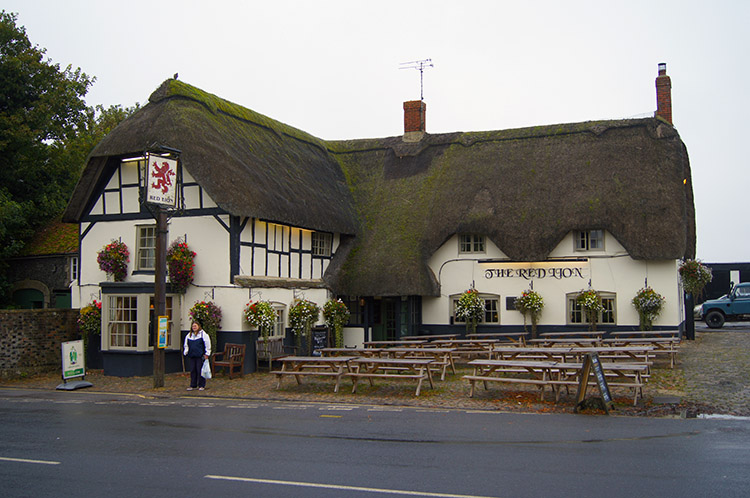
(415, 112)
(663, 94)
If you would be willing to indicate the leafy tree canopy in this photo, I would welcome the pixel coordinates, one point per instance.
(46, 133)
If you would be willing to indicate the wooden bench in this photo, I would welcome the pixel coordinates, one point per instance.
(299, 366)
(391, 368)
(233, 356)
(270, 350)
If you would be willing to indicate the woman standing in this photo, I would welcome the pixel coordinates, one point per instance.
(197, 348)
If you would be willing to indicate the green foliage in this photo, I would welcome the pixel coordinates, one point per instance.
(695, 276)
(90, 321)
(113, 259)
(591, 303)
(530, 303)
(336, 314)
(180, 265)
(302, 316)
(648, 303)
(262, 315)
(208, 314)
(470, 309)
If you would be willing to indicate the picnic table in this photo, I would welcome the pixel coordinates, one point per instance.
(645, 334)
(515, 337)
(555, 374)
(429, 337)
(527, 352)
(442, 357)
(391, 368)
(299, 366)
(662, 345)
(578, 341)
(383, 344)
(590, 334)
(467, 347)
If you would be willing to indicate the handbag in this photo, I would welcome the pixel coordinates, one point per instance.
(206, 370)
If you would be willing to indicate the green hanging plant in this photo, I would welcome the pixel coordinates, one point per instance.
(262, 315)
(336, 314)
(591, 303)
(530, 303)
(302, 316)
(470, 308)
(648, 303)
(695, 276)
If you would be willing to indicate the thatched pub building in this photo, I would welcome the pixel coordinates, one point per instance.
(396, 227)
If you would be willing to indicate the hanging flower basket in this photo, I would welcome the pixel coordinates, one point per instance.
(591, 303)
(180, 266)
(530, 303)
(209, 315)
(113, 259)
(336, 314)
(648, 303)
(90, 321)
(695, 276)
(262, 315)
(302, 316)
(470, 308)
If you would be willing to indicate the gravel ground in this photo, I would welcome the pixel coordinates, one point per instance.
(712, 376)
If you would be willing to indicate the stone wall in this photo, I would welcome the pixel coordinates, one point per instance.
(30, 339)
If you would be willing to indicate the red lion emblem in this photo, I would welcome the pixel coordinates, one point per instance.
(163, 176)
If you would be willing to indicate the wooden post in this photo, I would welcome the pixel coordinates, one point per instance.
(160, 290)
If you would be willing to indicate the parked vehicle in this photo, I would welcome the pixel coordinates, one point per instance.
(734, 306)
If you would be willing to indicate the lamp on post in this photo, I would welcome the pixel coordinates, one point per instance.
(160, 196)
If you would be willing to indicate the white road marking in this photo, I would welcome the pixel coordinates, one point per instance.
(26, 460)
(343, 488)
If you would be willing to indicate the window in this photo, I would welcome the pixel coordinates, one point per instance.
(145, 247)
(321, 244)
(278, 326)
(123, 321)
(491, 307)
(73, 268)
(356, 309)
(607, 315)
(589, 240)
(470, 243)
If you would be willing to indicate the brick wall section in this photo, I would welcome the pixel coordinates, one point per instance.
(664, 95)
(30, 339)
(415, 116)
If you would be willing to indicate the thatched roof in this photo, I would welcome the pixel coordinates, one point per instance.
(396, 203)
(250, 165)
(524, 189)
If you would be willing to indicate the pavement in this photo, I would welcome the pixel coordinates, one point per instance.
(712, 377)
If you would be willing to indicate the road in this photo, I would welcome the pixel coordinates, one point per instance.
(83, 443)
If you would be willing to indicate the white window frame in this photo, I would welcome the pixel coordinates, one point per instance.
(470, 243)
(129, 338)
(589, 240)
(73, 268)
(492, 311)
(575, 315)
(279, 326)
(142, 261)
(140, 323)
(322, 242)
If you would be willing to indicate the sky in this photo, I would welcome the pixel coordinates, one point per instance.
(333, 68)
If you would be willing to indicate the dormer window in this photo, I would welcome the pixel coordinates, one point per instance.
(322, 243)
(589, 240)
(471, 244)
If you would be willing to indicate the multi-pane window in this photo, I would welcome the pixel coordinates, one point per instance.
(278, 326)
(123, 321)
(491, 307)
(607, 315)
(355, 305)
(589, 240)
(73, 268)
(470, 243)
(146, 247)
(321, 244)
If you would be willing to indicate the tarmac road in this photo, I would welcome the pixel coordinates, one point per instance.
(104, 444)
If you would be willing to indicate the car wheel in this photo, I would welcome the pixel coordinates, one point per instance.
(715, 319)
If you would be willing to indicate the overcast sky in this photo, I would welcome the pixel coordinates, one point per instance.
(331, 68)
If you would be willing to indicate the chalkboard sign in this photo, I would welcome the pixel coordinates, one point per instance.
(319, 339)
(590, 362)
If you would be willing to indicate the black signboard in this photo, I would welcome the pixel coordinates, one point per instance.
(319, 339)
(591, 362)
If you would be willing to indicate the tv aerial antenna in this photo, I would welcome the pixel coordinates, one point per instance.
(420, 66)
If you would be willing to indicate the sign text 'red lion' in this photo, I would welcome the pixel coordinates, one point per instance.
(531, 273)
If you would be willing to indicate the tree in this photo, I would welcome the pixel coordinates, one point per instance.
(46, 133)
(41, 107)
